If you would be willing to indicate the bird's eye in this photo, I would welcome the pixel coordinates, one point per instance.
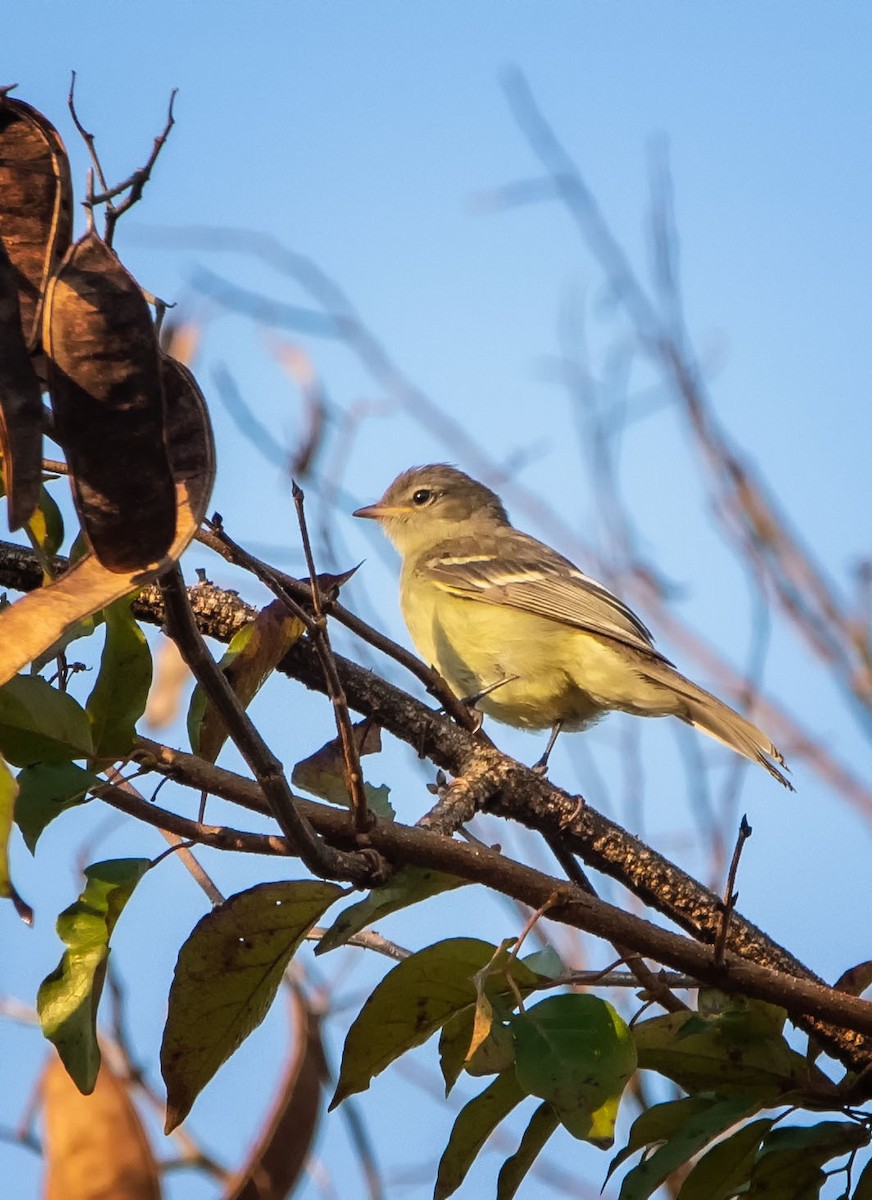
(422, 496)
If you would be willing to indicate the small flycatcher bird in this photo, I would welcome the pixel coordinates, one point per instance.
(520, 631)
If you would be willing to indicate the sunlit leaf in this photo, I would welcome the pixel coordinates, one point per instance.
(96, 1145)
(68, 998)
(409, 885)
(45, 790)
(543, 1124)
(415, 999)
(119, 696)
(576, 1052)
(226, 978)
(253, 654)
(475, 1122)
(46, 529)
(38, 723)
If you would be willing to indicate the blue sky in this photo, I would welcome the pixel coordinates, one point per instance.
(362, 135)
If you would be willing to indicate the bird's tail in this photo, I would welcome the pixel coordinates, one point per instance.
(704, 711)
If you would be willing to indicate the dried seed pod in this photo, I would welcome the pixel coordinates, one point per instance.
(36, 202)
(190, 443)
(106, 392)
(20, 405)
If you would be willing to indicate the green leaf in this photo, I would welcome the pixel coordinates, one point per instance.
(658, 1124)
(789, 1166)
(40, 724)
(8, 792)
(542, 1125)
(697, 1131)
(726, 1167)
(45, 790)
(576, 1052)
(475, 1122)
(726, 1057)
(121, 690)
(226, 978)
(546, 962)
(410, 885)
(68, 998)
(415, 999)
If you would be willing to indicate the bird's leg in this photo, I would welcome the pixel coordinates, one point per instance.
(542, 765)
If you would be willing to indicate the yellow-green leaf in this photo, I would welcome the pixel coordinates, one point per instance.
(226, 978)
(68, 998)
(8, 792)
(413, 1000)
(576, 1052)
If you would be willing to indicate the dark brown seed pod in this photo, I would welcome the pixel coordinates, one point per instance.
(190, 442)
(105, 384)
(20, 405)
(36, 204)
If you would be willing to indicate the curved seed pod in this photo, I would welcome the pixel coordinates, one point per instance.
(189, 438)
(36, 222)
(105, 384)
(20, 405)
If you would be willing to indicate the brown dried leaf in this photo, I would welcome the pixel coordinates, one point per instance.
(254, 653)
(41, 618)
(20, 405)
(276, 1160)
(105, 382)
(95, 1146)
(36, 222)
(189, 437)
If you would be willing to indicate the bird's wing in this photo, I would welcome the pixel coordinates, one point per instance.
(518, 571)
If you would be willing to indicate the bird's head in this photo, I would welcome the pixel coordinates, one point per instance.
(427, 505)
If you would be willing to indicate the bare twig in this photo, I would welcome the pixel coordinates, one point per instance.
(321, 641)
(730, 894)
(135, 183)
(320, 858)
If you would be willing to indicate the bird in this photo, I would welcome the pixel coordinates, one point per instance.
(521, 633)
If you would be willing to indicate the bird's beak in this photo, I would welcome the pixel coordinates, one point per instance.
(379, 512)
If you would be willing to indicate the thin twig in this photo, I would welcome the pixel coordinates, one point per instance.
(320, 858)
(730, 895)
(321, 642)
(281, 585)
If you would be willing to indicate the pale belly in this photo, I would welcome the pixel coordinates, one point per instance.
(546, 672)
